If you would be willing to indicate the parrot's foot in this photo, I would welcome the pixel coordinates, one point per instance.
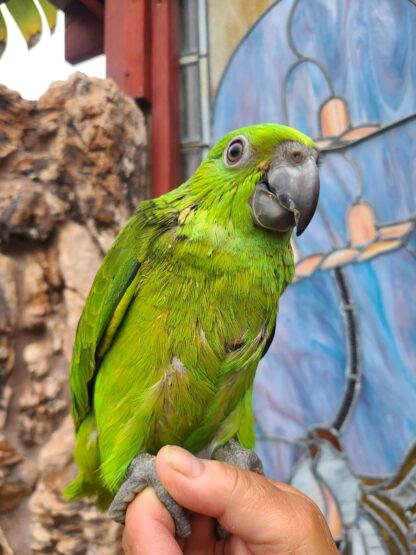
(141, 474)
(233, 453)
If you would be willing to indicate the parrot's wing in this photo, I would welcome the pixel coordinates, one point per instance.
(108, 301)
(269, 341)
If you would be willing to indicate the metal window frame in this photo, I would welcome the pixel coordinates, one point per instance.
(201, 58)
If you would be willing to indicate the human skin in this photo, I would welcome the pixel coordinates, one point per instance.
(264, 517)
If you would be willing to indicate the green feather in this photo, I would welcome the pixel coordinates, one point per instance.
(177, 320)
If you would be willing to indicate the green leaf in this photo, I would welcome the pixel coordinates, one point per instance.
(28, 19)
(3, 34)
(51, 13)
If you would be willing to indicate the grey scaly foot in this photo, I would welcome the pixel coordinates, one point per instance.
(141, 474)
(233, 453)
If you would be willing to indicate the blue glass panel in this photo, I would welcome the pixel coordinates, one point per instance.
(306, 80)
(316, 237)
(379, 170)
(376, 36)
(383, 423)
(340, 187)
(252, 89)
(278, 458)
(411, 241)
(388, 169)
(300, 381)
(314, 26)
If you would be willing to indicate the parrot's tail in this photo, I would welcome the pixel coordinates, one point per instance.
(79, 488)
(76, 489)
(87, 457)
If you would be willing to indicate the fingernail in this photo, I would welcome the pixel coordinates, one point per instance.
(182, 461)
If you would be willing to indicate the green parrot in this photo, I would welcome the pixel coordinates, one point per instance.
(180, 313)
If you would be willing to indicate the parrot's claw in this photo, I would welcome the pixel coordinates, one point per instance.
(233, 453)
(141, 474)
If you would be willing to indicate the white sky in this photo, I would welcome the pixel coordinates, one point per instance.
(30, 72)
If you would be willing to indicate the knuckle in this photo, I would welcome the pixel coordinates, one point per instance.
(234, 479)
(310, 513)
(315, 530)
(125, 544)
(245, 487)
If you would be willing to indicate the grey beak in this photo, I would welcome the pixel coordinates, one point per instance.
(287, 197)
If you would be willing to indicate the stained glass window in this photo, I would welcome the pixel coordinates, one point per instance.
(335, 398)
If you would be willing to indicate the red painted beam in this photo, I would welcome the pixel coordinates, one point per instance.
(84, 33)
(165, 96)
(142, 52)
(127, 45)
(95, 7)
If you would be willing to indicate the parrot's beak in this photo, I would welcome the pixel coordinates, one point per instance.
(287, 197)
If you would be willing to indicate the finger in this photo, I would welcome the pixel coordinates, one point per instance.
(246, 504)
(202, 539)
(216, 489)
(286, 488)
(149, 527)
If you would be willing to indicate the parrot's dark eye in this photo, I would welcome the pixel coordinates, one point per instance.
(237, 151)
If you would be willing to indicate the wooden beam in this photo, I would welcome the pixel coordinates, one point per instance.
(95, 7)
(127, 45)
(84, 33)
(165, 96)
(142, 55)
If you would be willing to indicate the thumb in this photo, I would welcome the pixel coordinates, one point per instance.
(257, 510)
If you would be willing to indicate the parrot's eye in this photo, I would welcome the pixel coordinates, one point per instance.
(236, 151)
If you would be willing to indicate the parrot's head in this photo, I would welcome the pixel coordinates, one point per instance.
(269, 170)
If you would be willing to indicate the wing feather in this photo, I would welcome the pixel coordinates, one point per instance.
(109, 299)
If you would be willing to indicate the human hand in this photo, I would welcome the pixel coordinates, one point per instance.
(263, 517)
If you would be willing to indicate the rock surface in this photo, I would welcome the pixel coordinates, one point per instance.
(73, 167)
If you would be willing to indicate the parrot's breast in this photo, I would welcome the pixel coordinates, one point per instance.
(185, 355)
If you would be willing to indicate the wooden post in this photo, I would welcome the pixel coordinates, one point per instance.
(141, 39)
(84, 36)
(165, 96)
(128, 45)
